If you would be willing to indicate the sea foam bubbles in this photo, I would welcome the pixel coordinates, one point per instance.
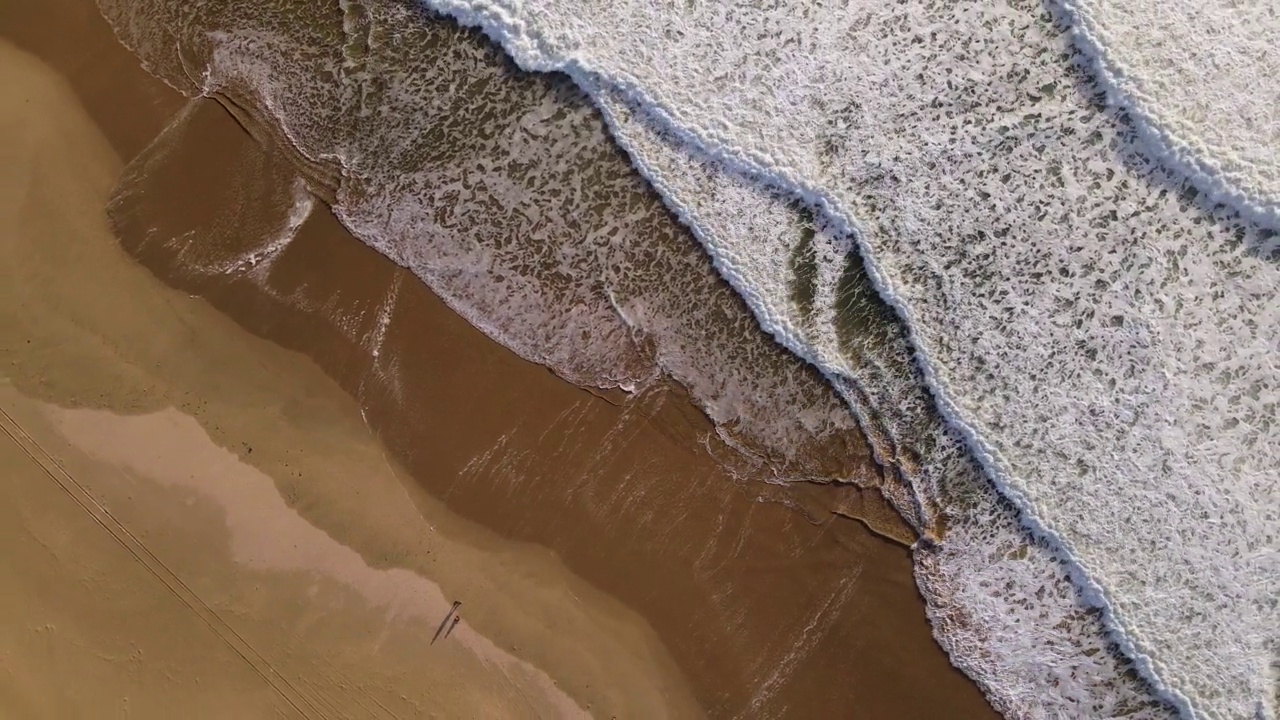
(1098, 334)
(1084, 263)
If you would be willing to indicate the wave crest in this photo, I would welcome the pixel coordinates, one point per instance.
(1095, 327)
(1201, 80)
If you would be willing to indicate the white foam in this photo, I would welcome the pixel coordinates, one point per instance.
(1103, 342)
(535, 230)
(1005, 218)
(985, 547)
(1199, 79)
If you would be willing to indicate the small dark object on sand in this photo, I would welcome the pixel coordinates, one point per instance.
(443, 623)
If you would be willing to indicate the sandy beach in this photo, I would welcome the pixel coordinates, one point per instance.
(249, 478)
(109, 455)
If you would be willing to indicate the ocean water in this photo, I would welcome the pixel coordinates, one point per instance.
(1198, 81)
(556, 257)
(986, 245)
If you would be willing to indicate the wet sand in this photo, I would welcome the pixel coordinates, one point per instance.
(630, 575)
(148, 567)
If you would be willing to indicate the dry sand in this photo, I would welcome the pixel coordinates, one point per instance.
(632, 577)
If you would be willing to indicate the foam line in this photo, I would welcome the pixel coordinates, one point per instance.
(586, 44)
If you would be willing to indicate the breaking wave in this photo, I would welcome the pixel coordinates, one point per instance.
(1060, 350)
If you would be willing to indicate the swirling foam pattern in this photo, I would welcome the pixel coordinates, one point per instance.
(1201, 78)
(1099, 332)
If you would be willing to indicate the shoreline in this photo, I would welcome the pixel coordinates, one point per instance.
(144, 404)
(740, 580)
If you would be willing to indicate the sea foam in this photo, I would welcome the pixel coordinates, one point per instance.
(1098, 330)
(1001, 603)
(1198, 78)
(1098, 337)
(501, 191)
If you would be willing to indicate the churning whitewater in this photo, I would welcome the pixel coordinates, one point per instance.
(1099, 331)
(1021, 245)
